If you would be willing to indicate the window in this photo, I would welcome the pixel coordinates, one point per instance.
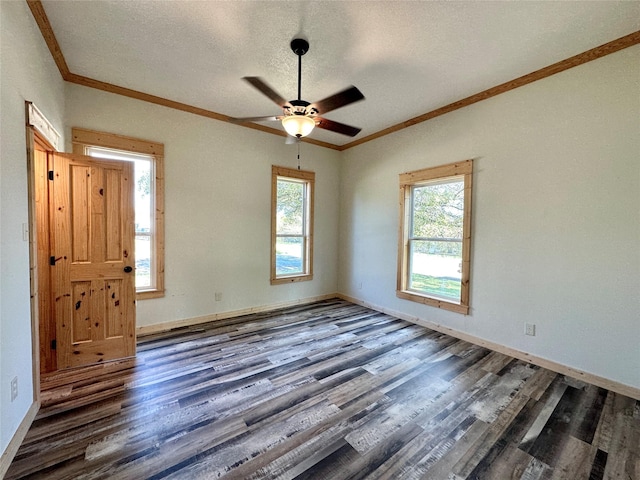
(435, 238)
(291, 225)
(149, 200)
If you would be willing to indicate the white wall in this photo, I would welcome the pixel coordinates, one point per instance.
(556, 216)
(27, 73)
(217, 205)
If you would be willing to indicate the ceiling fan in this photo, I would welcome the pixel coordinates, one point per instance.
(299, 117)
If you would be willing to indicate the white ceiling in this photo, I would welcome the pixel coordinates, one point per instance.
(407, 57)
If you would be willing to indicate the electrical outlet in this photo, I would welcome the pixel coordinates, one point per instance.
(530, 329)
(218, 296)
(14, 388)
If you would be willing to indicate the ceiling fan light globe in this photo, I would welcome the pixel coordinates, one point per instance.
(298, 125)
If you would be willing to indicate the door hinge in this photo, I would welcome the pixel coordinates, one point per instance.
(53, 344)
(50, 174)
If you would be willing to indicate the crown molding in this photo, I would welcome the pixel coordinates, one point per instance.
(580, 59)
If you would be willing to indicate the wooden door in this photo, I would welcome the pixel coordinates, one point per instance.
(93, 279)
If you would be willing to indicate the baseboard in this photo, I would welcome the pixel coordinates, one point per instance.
(163, 327)
(617, 387)
(18, 437)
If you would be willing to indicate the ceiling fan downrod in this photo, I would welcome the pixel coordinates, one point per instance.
(299, 46)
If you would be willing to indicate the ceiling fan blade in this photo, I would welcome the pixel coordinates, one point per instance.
(270, 118)
(265, 89)
(337, 127)
(340, 99)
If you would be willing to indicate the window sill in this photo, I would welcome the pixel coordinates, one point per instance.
(433, 302)
(146, 294)
(292, 279)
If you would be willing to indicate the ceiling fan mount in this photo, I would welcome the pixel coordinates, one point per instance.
(299, 46)
(299, 117)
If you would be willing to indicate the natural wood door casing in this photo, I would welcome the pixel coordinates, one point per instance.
(46, 325)
(92, 245)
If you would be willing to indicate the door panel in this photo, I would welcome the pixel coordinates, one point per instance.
(92, 242)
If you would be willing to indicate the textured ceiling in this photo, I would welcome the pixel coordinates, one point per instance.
(407, 57)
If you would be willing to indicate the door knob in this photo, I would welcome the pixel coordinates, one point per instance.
(128, 269)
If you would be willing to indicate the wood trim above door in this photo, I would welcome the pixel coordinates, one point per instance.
(82, 137)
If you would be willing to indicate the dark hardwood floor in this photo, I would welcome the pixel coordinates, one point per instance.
(328, 391)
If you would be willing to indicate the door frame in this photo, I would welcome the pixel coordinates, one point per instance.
(39, 260)
(32, 138)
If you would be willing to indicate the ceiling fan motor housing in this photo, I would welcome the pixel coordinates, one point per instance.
(299, 107)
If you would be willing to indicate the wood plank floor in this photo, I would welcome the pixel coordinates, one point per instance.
(329, 390)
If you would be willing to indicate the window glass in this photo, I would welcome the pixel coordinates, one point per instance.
(289, 256)
(435, 245)
(290, 210)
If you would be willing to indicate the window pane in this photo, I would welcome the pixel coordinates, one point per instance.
(435, 268)
(289, 256)
(438, 210)
(290, 208)
(143, 195)
(143, 261)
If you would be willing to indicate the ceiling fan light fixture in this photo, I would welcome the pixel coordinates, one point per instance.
(298, 125)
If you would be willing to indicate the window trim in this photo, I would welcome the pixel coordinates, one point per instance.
(308, 178)
(83, 138)
(407, 182)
